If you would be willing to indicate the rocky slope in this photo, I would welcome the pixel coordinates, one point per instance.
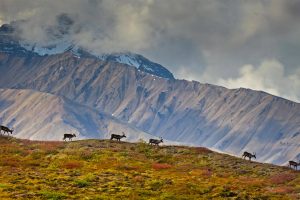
(42, 116)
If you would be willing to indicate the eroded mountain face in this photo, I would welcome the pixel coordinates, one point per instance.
(201, 114)
(42, 116)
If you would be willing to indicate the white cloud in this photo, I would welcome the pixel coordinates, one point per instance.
(269, 76)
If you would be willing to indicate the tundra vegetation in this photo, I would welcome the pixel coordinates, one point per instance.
(105, 169)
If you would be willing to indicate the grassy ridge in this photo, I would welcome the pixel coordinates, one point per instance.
(101, 169)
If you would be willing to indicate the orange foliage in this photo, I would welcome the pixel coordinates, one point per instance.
(127, 167)
(281, 190)
(11, 162)
(51, 146)
(139, 179)
(282, 178)
(202, 150)
(207, 172)
(159, 166)
(72, 165)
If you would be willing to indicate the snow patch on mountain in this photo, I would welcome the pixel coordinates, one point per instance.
(50, 49)
(127, 58)
(140, 62)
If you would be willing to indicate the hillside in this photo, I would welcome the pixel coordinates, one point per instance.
(102, 169)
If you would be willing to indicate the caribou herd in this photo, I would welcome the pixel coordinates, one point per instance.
(156, 142)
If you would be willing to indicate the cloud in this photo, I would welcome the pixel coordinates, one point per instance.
(269, 76)
(205, 40)
(102, 26)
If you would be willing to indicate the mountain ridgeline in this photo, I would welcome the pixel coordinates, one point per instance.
(124, 86)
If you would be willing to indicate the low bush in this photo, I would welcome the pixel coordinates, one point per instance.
(72, 165)
(82, 183)
(282, 178)
(51, 195)
(159, 166)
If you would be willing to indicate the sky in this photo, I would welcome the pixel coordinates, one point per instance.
(234, 43)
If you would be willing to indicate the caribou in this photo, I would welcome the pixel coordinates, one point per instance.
(117, 137)
(294, 164)
(70, 136)
(6, 130)
(249, 155)
(155, 141)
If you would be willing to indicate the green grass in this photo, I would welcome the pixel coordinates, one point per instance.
(102, 169)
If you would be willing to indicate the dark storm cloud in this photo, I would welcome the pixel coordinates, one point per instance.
(210, 40)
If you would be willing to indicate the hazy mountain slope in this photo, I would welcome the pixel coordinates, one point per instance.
(41, 116)
(202, 114)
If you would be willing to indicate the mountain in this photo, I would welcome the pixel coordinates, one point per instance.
(232, 121)
(42, 116)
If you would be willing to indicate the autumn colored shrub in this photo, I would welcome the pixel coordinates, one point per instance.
(36, 155)
(51, 147)
(127, 167)
(72, 165)
(207, 172)
(282, 178)
(31, 163)
(202, 150)
(159, 166)
(86, 155)
(10, 161)
(139, 179)
(145, 148)
(281, 190)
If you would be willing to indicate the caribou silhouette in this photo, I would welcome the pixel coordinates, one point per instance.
(70, 136)
(155, 141)
(294, 164)
(6, 130)
(117, 137)
(249, 155)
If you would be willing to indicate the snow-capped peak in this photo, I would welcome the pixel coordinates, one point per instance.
(140, 62)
